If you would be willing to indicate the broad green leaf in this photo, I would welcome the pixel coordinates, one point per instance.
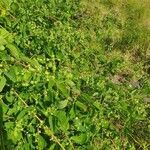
(80, 139)
(59, 55)
(35, 64)
(32, 129)
(15, 135)
(26, 146)
(52, 147)
(3, 12)
(4, 56)
(14, 6)
(81, 105)
(2, 83)
(11, 111)
(14, 51)
(21, 114)
(63, 120)
(52, 123)
(27, 76)
(4, 34)
(14, 73)
(62, 104)
(72, 113)
(71, 83)
(63, 88)
(10, 98)
(25, 59)
(2, 41)
(11, 74)
(98, 105)
(41, 142)
(9, 125)
(51, 83)
(30, 139)
(2, 48)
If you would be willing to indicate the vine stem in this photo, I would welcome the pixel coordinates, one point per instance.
(46, 129)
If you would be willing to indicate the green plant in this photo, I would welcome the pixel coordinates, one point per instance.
(74, 75)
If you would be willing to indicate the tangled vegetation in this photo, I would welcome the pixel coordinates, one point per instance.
(74, 74)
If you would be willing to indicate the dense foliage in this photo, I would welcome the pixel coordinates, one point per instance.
(74, 74)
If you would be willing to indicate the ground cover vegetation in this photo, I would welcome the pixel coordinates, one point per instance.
(74, 74)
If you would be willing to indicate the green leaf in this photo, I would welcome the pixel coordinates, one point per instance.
(51, 83)
(62, 104)
(62, 87)
(52, 123)
(4, 34)
(15, 135)
(2, 83)
(9, 125)
(30, 139)
(14, 6)
(80, 139)
(72, 113)
(98, 105)
(25, 59)
(2, 48)
(63, 120)
(81, 105)
(2, 41)
(52, 147)
(27, 76)
(35, 64)
(14, 51)
(10, 98)
(21, 114)
(32, 129)
(11, 74)
(41, 142)
(26, 146)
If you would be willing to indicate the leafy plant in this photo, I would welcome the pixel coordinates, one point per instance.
(74, 75)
